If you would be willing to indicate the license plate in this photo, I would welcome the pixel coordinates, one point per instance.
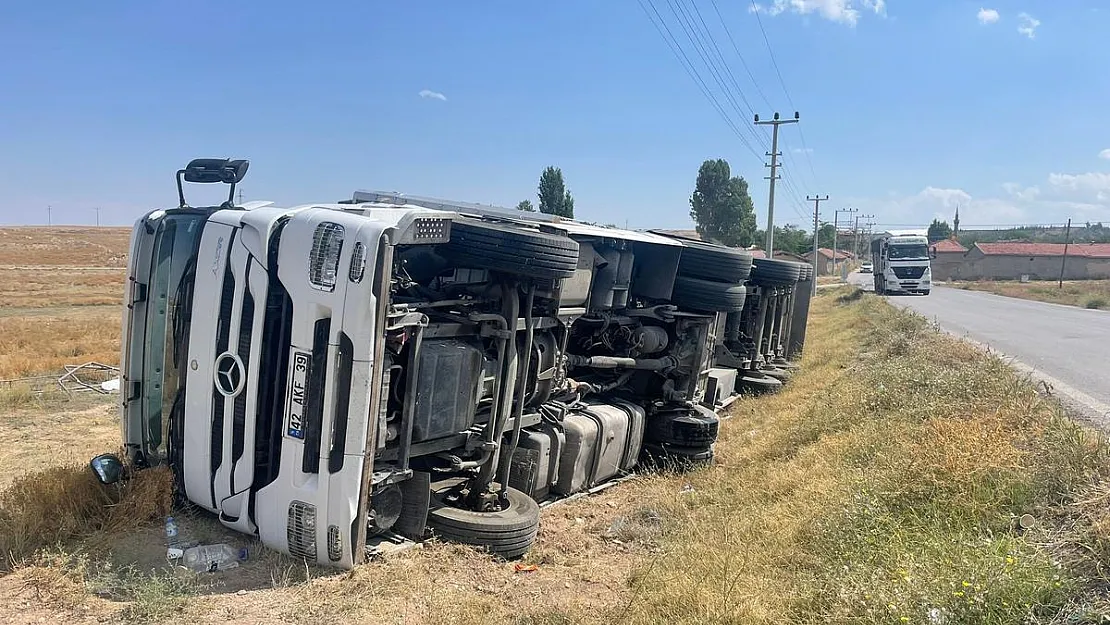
(294, 413)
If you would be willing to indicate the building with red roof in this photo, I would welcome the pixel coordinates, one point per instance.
(1011, 260)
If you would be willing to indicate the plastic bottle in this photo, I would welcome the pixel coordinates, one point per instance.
(173, 542)
(212, 558)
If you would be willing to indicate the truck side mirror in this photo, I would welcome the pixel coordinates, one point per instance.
(107, 468)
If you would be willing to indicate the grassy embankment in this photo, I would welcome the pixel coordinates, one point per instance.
(884, 485)
(1094, 294)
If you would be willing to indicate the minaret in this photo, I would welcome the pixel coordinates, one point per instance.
(956, 223)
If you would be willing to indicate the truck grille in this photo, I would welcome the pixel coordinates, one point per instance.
(909, 273)
(223, 338)
(316, 382)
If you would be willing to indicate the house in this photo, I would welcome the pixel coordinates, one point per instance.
(948, 257)
(779, 255)
(827, 261)
(1038, 261)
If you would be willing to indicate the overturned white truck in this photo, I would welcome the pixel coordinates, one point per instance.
(321, 374)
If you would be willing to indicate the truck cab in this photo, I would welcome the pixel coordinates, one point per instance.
(900, 263)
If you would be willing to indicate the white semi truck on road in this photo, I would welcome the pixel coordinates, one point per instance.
(900, 263)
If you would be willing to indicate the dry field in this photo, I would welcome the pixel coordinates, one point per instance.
(1083, 293)
(60, 295)
(883, 485)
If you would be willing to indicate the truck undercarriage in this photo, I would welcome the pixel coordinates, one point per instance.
(434, 368)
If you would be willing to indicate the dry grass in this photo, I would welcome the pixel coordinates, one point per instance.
(31, 345)
(45, 287)
(1094, 294)
(63, 246)
(881, 486)
(53, 430)
(61, 291)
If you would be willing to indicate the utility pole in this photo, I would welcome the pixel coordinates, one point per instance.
(855, 230)
(774, 154)
(49, 221)
(97, 209)
(836, 230)
(865, 242)
(816, 230)
(1064, 261)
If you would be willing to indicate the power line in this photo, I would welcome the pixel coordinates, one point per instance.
(701, 48)
(742, 61)
(691, 71)
(782, 82)
(721, 57)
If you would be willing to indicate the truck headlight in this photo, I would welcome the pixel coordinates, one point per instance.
(300, 532)
(323, 261)
(358, 263)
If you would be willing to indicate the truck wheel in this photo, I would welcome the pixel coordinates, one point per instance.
(676, 457)
(709, 296)
(695, 426)
(757, 383)
(508, 533)
(716, 263)
(774, 271)
(511, 249)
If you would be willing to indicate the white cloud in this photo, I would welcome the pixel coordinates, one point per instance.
(1086, 182)
(988, 16)
(1021, 192)
(809, 151)
(1028, 25)
(433, 95)
(1105, 154)
(841, 11)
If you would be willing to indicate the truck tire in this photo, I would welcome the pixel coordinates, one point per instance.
(707, 295)
(511, 249)
(676, 457)
(508, 533)
(774, 271)
(695, 426)
(715, 263)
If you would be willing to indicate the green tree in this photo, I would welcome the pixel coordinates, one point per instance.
(555, 198)
(526, 206)
(939, 230)
(721, 206)
(789, 238)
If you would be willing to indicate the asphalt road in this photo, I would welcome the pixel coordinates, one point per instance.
(1063, 345)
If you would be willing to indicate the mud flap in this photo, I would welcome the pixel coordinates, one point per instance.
(416, 497)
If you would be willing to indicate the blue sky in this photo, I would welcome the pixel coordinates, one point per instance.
(907, 108)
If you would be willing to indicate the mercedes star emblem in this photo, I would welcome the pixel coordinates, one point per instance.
(229, 375)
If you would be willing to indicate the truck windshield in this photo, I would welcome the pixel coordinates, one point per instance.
(908, 252)
(169, 305)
